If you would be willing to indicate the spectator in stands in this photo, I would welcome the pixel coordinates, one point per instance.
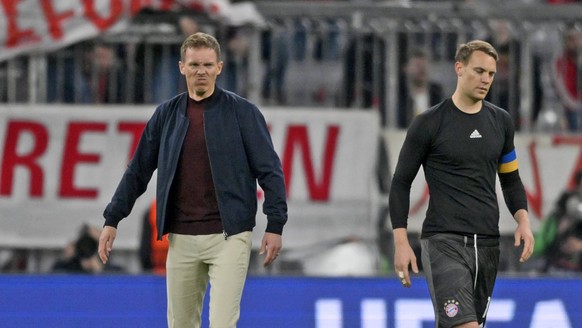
(417, 91)
(568, 78)
(209, 148)
(564, 253)
(103, 73)
(80, 256)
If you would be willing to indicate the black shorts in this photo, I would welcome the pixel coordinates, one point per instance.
(460, 277)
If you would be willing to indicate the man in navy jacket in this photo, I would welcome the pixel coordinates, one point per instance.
(210, 147)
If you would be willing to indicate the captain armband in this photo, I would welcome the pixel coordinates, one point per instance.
(508, 162)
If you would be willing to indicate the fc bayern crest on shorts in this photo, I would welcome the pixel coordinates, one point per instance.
(451, 308)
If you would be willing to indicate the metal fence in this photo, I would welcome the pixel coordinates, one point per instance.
(329, 55)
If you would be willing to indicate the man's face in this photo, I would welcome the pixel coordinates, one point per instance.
(476, 76)
(201, 67)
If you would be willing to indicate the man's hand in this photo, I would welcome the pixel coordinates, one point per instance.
(106, 242)
(403, 257)
(272, 244)
(523, 232)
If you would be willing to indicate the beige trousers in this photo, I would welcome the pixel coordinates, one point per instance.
(192, 262)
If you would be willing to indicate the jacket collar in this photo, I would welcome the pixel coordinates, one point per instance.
(210, 101)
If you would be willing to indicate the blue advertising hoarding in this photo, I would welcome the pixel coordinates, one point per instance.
(139, 301)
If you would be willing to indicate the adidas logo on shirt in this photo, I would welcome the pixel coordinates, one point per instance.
(475, 134)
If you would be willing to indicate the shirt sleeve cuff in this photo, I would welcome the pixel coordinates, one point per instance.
(111, 223)
(275, 227)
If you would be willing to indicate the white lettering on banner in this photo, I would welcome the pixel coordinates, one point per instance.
(550, 314)
(328, 313)
(501, 311)
(374, 313)
(413, 313)
(44, 25)
(410, 313)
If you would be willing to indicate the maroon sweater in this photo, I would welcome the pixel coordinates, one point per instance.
(193, 208)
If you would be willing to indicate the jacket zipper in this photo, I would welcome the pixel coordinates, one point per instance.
(210, 161)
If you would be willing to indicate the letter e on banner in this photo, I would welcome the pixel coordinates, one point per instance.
(72, 156)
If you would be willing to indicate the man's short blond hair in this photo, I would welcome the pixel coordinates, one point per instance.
(200, 40)
(465, 50)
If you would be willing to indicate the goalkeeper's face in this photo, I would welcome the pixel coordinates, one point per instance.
(201, 67)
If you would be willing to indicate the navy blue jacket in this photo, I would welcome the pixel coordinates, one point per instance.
(241, 153)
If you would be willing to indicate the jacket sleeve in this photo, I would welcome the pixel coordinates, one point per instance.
(266, 167)
(137, 175)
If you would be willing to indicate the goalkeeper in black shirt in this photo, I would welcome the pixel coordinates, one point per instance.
(462, 143)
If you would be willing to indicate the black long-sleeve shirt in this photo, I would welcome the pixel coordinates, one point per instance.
(460, 154)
